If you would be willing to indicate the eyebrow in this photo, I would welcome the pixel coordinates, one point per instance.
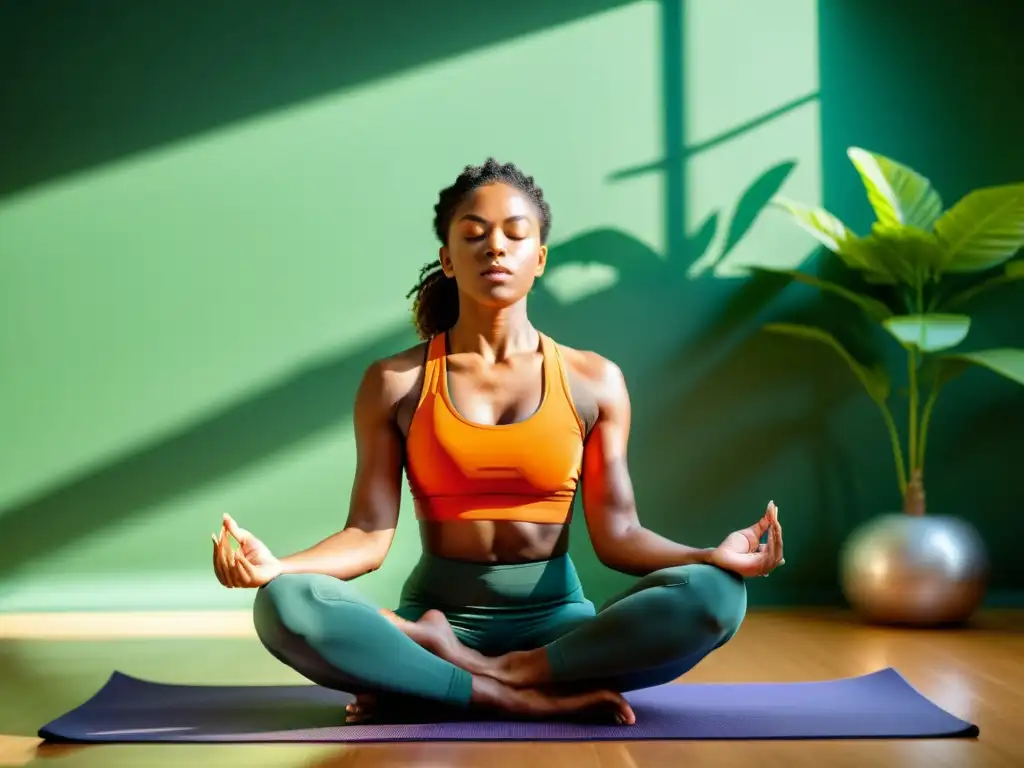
(482, 220)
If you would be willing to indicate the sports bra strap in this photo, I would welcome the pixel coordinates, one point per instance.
(556, 372)
(436, 351)
(553, 365)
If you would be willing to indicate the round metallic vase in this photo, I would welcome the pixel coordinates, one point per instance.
(919, 571)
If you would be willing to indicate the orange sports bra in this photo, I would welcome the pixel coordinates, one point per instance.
(525, 471)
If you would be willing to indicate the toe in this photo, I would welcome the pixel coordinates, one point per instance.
(627, 714)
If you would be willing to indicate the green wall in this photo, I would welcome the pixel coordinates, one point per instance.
(209, 221)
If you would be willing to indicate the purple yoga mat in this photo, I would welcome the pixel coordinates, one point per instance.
(878, 705)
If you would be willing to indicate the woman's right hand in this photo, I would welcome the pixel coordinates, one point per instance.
(251, 565)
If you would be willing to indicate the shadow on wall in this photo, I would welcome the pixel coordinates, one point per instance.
(135, 57)
(724, 418)
(315, 398)
(696, 425)
(84, 86)
(710, 418)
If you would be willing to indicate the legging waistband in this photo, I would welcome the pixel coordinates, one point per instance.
(458, 583)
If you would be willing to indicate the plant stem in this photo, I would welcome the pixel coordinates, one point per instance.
(914, 409)
(897, 450)
(912, 414)
(926, 418)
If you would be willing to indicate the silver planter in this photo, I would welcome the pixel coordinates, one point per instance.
(917, 571)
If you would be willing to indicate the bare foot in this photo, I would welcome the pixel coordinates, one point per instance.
(537, 704)
(389, 708)
(519, 669)
(489, 694)
(433, 632)
(362, 710)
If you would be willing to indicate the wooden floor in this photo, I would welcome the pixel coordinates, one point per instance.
(977, 674)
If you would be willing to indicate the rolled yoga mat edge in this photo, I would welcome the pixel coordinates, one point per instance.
(877, 705)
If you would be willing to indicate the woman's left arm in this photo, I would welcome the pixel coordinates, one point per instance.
(618, 538)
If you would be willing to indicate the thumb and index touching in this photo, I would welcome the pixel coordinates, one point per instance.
(237, 533)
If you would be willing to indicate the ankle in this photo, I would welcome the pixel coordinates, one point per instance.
(488, 692)
(524, 669)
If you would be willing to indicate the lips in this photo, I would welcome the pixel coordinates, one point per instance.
(495, 270)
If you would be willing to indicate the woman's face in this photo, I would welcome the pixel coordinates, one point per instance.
(494, 249)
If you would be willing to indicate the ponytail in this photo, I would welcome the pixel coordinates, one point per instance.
(435, 307)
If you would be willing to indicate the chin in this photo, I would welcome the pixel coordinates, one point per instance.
(500, 295)
(499, 298)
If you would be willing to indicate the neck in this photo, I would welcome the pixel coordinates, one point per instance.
(493, 333)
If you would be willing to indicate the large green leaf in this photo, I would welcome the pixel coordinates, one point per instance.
(929, 333)
(826, 228)
(899, 195)
(984, 229)
(875, 380)
(1014, 271)
(834, 235)
(872, 307)
(1005, 361)
(909, 254)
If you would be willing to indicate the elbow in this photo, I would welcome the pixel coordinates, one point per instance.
(614, 553)
(609, 560)
(605, 551)
(376, 550)
(373, 563)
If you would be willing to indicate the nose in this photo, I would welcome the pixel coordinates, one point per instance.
(496, 243)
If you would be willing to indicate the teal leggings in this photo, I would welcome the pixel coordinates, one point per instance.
(650, 634)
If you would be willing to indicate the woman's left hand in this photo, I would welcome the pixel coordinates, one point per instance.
(742, 551)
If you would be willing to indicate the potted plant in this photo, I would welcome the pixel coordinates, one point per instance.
(915, 274)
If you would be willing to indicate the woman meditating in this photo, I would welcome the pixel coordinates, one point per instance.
(496, 426)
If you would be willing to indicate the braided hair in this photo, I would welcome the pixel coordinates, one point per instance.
(436, 303)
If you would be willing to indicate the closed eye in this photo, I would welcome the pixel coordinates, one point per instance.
(514, 227)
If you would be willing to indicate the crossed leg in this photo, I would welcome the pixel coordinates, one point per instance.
(652, 633)
(325, 630)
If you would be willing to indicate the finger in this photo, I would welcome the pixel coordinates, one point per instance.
(234, 573)
(244, 565)
(246, 570)
(240, 534)
(216, 561)
(763, 524)
(239, 577)
(221, 559)
(218, 558)
(226, 557)
(777, 552)
(768, 561)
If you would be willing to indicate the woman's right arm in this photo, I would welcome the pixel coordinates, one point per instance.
(376, 491)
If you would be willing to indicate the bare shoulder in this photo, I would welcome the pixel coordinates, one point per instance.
(389, 381)
(602, 378)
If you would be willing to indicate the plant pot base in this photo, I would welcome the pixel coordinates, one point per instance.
(925, 571)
